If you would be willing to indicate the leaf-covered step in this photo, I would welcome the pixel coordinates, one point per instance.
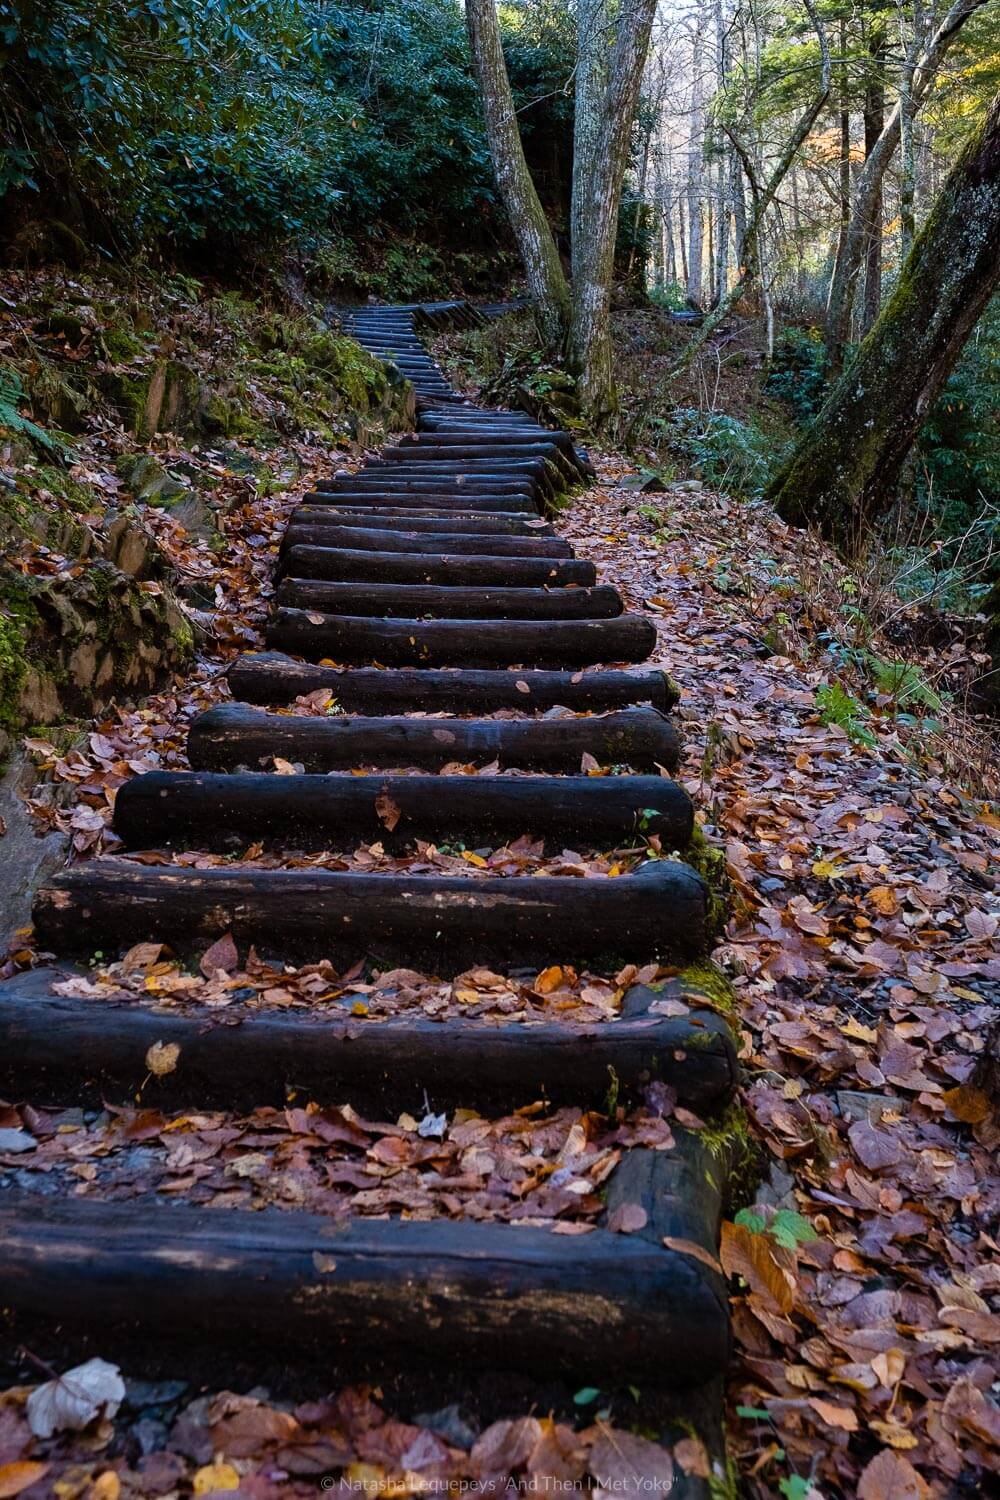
(356, 564)
(212, 810)
(461, 522)
(231, 735)
(269, 677)
(600, 1306)
(409, 600)
(457, 643)
(398, 538)
(442, 923)
(58, 1050)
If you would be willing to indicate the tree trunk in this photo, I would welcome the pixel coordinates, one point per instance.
(606, 135)
(543, 268)
(869, 184)
(843, 473)
(696, 146)
(874, 120)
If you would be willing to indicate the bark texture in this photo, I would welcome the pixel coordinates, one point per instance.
(843, 473)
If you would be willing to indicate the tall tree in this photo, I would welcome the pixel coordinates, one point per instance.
(612, 43)
(930, 51)
(843, 475)
(547, 283)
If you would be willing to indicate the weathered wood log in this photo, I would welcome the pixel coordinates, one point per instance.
(209, 810)
(270, 677)
(465, 570)
(449, 643)
(479, 440)
(445, 484)
(443, 922)
(430, 601)
(459, 501)
(57, 1050)
(431, 544)
(461, 522)
(676, 1188)
(429, 450)
(318, 1290)
(231, 735)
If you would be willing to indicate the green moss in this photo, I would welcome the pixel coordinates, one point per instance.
(707, 980)
(13, 671)
(737, 1152)
(710, 862)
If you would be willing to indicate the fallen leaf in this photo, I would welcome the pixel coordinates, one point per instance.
(221, 955)
(162, 1058)
(387, 811)
(215, 1476)
(72, 1401)
(18, 1476)
(890, 1476)
(628, 1218)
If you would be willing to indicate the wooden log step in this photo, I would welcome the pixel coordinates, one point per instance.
(474, 442)
(428, 519)
(402, 501)
(57, 1050)
(231, 735)
(212, 810)
(449, 602)
(268, 677)
(442, 923)
(544, 461)
(469, 570)
(319, 1291)
(461, 484)
(434, 544)
(357, 640)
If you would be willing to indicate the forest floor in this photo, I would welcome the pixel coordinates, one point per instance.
(861, 852)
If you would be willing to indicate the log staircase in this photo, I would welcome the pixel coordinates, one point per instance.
(436, 582)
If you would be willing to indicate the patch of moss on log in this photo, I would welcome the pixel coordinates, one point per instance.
(737, 1156)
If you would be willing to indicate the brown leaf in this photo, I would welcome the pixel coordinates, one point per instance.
(890, 1476)
(697, 1252)
(221, 955)
(627, 1464)
(761, 1264)
(628, 1218)
(968, 1104)
(142, 956)
(874, 1147)
(387, 811)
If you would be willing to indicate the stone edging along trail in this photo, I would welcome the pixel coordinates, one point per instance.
(434, 580)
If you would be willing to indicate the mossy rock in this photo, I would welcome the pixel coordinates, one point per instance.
(162, 397)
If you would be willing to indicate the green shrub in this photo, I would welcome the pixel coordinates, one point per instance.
(726, 453)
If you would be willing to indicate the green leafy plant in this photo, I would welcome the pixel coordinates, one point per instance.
(837, 706)
(11, 397)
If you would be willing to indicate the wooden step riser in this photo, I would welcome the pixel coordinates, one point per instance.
(346, 565)
(354, 640)
(459, 485)
(271, 678)
(424, 518)
(59, 1052)
(602, 1305)
(461, 502)
(430, 544)
(436, 923)
(231, 735)
(427, 601)
(210, 810)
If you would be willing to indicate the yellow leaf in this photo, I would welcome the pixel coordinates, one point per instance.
(474, 859)
(548, 980)
(106, 1486)
(892, 1434)
(968, 1104)
(162, 1058)
(216, 1476)
(825, 869)
(858, 1032)
(17, 1476)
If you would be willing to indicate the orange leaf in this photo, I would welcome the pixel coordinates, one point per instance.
(761, 1263)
